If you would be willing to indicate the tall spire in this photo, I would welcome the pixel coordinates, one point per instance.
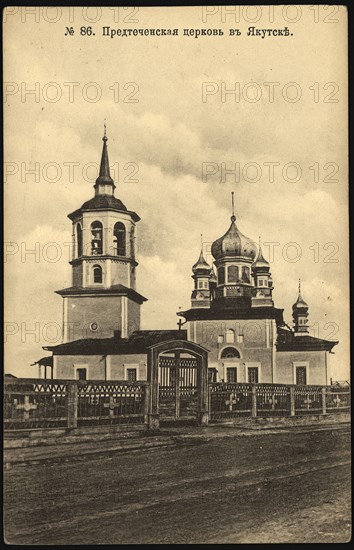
(104, 181)
(104, 168)
(233, 217)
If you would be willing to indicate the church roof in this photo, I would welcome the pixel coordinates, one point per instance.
(116, 290)
(223, 313)
(44, 361)
(103, 202)
(287, 341)
(137, 343)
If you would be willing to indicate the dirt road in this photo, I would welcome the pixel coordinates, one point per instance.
(283, 487)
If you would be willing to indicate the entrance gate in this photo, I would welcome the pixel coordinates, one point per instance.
(177, 386)
(178, 372)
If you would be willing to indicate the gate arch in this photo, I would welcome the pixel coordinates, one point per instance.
(175, 350)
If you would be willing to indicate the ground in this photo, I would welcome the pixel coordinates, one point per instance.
(276, 487)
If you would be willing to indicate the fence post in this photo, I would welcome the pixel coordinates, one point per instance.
(292, 401)
(72, 405)
(324, 410)
(254, 401)
(147, 397)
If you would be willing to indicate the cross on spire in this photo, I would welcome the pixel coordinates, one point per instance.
(105, 131)
(299, 285)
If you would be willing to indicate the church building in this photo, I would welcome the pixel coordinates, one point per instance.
(233, 315)
(232, 311)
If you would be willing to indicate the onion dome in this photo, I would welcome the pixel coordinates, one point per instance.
(260, 261)
(201, 266)
(234, 243)
(300, 302)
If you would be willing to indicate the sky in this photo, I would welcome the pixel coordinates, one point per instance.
(189, 120)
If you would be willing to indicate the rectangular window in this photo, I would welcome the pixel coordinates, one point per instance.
(81, 374)
(131, 375)
(231, 375)
(301, 376)
(253, 375)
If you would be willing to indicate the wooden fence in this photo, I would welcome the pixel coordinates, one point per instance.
(227, 400)
(36, 403)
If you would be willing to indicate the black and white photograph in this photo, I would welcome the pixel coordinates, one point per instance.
(176, 256)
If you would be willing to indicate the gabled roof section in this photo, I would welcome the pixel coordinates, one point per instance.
(287, 341)
(137, 343)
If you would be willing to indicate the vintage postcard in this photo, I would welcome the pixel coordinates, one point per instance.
(176, 275)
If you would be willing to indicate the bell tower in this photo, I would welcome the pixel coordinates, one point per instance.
(103, 296)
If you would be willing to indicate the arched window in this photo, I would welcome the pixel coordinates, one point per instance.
(221, 275)
(246, 274)
(96, 238)
(230, 336)
(230, 353)
(119, 239)
(97, 274)
(232, 274)
(132, 242)
(79, 239)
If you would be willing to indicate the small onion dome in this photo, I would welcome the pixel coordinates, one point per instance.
(233, 243)
(260, 262)
(300, 303)
(201, 265)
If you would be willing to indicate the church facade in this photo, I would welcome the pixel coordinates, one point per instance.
(232, 312)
